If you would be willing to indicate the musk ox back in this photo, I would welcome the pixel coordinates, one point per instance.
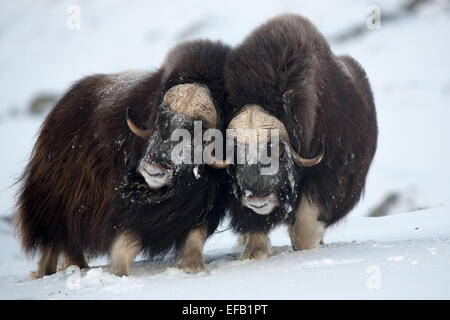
(98, 181)
(285, 74)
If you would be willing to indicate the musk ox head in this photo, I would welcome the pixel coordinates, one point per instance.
(185, 108)
(260, 190)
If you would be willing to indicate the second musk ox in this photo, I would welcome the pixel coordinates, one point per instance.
(285, 77)
(101, 179)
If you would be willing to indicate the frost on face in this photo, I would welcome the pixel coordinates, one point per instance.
(119, 142)
(196, 173)
(287, 207)
(235, 191)
(291, 180)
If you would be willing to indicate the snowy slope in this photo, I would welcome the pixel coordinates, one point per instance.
(406, 255)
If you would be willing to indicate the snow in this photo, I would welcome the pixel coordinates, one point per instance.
(403, 255)
(408, 252)
(196, 173)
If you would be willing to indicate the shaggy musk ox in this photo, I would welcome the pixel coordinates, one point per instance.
(101, 180)
(285, 77)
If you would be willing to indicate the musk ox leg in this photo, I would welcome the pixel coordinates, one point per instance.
(74, 259)
(242, 239)
(307, 232)
(190, 259)
(47, 263)
(258, 246)
(124, 249)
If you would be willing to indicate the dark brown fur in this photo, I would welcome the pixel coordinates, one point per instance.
(69, 200)
(286, 66)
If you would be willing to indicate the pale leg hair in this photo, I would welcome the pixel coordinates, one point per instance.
(258, 246)
(190, 259)
(73, 259)
(124, 249)
(307, 232)
(48, 262)
(242, 239)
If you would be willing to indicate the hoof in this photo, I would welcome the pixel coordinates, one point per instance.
(35, 275)
(191, 265)
(120, 270)
(256, 254)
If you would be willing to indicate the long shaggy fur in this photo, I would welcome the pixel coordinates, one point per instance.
(80, 187)
(286, 66)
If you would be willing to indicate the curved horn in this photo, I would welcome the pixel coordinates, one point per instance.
(300, 161)
(212, 161)
(144, 134)
(217, 164)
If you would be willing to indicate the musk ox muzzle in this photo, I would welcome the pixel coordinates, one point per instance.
(260, 205)
(156, 176)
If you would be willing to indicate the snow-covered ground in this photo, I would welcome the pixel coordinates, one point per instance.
(395, 257)
(403, 255)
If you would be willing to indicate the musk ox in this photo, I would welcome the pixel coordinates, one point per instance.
(284, 77)
(101, 179)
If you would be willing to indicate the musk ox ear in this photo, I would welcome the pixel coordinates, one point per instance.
(287, 98)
